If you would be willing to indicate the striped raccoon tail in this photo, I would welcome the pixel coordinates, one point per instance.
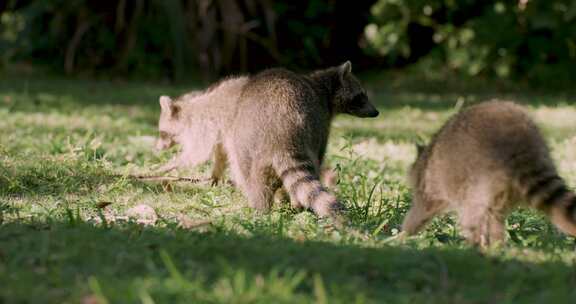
(548, 192)
(300, 179)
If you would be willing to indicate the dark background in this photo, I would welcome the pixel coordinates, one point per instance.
(527, 40)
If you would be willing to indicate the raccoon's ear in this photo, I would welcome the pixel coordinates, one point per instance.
(168, 106)
(175, 111)
(165, 103)
(345, 69)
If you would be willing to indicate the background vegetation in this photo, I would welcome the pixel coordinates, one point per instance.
(517, 39)
(177, 37)
(522, 40)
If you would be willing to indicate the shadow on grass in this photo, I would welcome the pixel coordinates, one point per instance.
(43, 89)
(65, 261)
(46, 177)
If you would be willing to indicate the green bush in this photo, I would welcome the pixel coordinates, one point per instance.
(520, 39)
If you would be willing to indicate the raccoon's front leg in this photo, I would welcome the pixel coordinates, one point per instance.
(178, 161)
(421, 212)
(187, 158)
(173, 164)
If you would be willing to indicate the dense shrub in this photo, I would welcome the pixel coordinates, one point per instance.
(530, 39)
(516, 39)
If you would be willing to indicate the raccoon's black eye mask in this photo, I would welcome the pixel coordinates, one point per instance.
(358, 100)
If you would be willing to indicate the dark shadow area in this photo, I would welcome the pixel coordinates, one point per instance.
(50, 179)
(46, 178)
(55, 260)
(44, 92)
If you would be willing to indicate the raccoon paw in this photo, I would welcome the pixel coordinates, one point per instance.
(335, 211)
(327, 209)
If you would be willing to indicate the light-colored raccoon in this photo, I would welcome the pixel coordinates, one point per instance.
(279, 134)
(196, 121)
(484, 161)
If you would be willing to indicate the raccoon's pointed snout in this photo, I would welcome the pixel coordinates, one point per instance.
(367, 110)
(373, 113)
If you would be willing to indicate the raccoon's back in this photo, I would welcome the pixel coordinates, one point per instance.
(278, 104)
(494, 139)
(497, 141)
(498, 130)
(278, 88)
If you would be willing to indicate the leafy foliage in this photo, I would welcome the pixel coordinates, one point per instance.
(525, 39)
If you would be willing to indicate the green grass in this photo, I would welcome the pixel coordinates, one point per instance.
(65, 146)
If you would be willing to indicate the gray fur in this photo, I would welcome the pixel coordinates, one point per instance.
(280, 131)
(197, 121)
(484, 161)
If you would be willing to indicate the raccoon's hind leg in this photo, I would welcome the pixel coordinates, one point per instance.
(219, 166)
(421, 212)
(260, 188)
(282, 196)
(483, 219)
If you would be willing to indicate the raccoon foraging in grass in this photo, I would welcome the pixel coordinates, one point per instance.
(280, 130)
(196, 121)
(484, 161)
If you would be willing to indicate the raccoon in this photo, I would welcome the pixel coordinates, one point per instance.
(279, 134)
(484, 161)
(196, 121)
(166, 139)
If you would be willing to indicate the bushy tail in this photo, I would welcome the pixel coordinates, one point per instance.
(547, 192)
(300, 179)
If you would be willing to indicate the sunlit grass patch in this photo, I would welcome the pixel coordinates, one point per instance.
(74, 226)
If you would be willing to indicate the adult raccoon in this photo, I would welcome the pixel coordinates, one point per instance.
(484, 161)
(280, 131)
